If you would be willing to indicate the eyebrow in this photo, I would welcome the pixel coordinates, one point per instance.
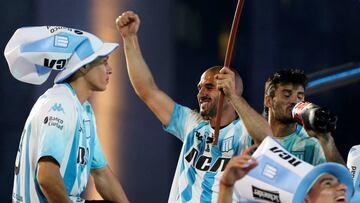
(328, 178)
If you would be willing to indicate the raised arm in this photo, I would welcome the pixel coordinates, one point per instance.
(255, 124)
(236, 169)
(140, 76)
(327, 142)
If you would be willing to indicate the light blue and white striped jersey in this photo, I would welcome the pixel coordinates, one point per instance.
(201, 164)
(353, 164)
(301, 145)
(60, 127)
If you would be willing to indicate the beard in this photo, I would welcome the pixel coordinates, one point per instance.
(287, 120)
(209, 113)
(211, 110)
(283, 117)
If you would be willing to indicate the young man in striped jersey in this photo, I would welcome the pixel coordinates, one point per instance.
(200, 163)
(59, 146)
(283, 90)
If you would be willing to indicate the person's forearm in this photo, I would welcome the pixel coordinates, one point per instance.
(114, 193)
(139, 73)
(331, 152)
(53, 187)
(50, 181)
(55, 192)
(225, 194)
(108, 186)
(255, 124)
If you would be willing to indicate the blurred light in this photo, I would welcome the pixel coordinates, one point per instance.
(107, 105)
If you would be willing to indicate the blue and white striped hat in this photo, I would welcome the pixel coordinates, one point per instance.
(33, 52)
(281, 177)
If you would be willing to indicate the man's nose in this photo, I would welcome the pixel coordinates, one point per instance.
(202, 92)
(295, 99)
(341, 187)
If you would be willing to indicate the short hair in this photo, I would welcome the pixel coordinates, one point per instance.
(285, 76)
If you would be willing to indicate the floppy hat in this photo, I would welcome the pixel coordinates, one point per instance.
(282, 177)
(33, 52)
(353, 164)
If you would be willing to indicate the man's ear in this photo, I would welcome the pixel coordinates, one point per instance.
(84, 69)
(307, 199)
(268, 101)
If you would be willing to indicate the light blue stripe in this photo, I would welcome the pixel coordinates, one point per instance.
(27, 167)
(187, 193)
(206, 186)
(336, 76)
(84, 50)
(47, 44)
(69, 176)
(41, 70)
(284, 179)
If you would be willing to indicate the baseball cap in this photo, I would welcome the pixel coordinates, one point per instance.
(33, 52)
(282, 177)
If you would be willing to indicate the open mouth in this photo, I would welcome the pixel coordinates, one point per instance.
(340, 199)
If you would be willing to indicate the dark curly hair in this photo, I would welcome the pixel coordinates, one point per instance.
(286, 76)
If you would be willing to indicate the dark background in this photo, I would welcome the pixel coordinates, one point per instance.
(180, 39)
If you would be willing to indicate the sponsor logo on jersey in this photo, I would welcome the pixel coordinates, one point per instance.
(203, 162)
(54, 121)
(57, 107)
(83, 156)
(286, 156)
(353, 171)
(262, 194)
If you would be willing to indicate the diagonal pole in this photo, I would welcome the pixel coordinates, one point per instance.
(229, 52)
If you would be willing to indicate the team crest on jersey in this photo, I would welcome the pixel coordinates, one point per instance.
(227, 144)
(299, 154)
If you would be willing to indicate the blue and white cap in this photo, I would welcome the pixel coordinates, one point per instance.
(282, 177)
(33, 52)
(353, 164)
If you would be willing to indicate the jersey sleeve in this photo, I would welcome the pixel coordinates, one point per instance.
(182, 121)
(245, 140)
(98, 160)
(55, 124)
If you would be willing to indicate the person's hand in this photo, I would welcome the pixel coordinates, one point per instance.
(128, 23)
(238, 167)
(322, 137)
(227, 82)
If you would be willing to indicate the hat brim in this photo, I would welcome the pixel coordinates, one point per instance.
(339, 171)
(105, 50)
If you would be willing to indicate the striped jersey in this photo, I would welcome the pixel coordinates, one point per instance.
(353, 164)
(61, 127)
(200, 163)
(301, 145)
